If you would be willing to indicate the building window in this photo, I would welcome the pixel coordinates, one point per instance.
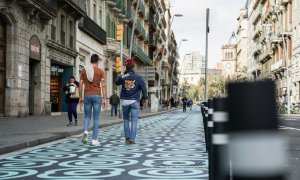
(71, 37)
(88, 7)
(53, 30)
(95, 13)
(62, 28)
(100, 18)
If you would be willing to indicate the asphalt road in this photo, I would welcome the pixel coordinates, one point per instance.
(291, 127)
(168, 146)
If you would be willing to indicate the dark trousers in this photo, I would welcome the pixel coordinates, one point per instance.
(184, 107)
(72, 110)
(114, 108)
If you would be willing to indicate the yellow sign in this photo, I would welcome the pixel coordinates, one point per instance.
(120, 30)
(118, 65)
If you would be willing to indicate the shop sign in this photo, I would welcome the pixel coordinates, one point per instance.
(35, 48)
(57, 69)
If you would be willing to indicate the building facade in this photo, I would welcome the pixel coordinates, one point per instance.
(229, 58)
(192, 68)
(241, 36)
(38, 54)
(268, 53)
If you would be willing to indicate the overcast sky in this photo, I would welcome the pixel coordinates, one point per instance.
(223, 21)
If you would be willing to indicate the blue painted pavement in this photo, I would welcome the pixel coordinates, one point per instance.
(169, 146)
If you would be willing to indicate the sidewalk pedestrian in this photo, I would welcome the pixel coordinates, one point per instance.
(114, 101)
(72, 99)
(172, 102)
(93, 79)
(184, 103)
(190, 103)
(132, 86)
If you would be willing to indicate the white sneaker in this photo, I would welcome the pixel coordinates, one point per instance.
(85, 138)
(95, 142)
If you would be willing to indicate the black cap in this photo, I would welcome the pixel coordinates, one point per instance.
(252, 106)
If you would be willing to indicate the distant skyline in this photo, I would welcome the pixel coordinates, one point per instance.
(223, 21)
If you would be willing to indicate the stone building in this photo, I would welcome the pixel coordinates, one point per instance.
(34, 52)
(241, 36)
(229, 58)
(61, 50)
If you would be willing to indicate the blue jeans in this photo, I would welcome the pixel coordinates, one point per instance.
(92, 102)
(114, 108)
(131, 113)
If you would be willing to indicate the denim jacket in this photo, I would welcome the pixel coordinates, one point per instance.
(132, 86)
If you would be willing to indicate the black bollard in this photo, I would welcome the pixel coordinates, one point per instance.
(220, 140)
(256, 147)
(210, 125)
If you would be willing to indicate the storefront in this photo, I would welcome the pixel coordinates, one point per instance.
(59, 77)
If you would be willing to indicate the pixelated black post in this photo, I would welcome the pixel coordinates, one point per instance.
(256, 147)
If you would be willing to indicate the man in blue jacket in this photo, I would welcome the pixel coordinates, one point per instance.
(132, 86)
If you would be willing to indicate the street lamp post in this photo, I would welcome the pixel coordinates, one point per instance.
(171, 87)
(167, 49)
(206, 52)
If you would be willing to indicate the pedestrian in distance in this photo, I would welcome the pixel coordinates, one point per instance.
(172, 102)
(184, 103)
(72, 99)
(190, 103)
(93, 79)
(141, 104)
(132, 86)
(114, 101)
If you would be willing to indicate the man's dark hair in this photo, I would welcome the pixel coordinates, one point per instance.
(129, 66)
(94, 58)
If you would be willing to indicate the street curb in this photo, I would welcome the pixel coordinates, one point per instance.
(58, 136)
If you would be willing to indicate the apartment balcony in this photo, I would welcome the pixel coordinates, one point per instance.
(78, 6)
(257, 49)
(283, 2)
(88, 26)
(138, 27)
(165, 65)
(152, 24)
(111, 45)
(146, 18)
(141, 55)
(142, 35)
(277, 66)
(255, 3)
(146, 40)
(265, 55)
(141, 9)
(152, 42)
(256, 15)
(163, 35)
(257, 32)
(47, 9)
(111, 3)
(120, 5)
